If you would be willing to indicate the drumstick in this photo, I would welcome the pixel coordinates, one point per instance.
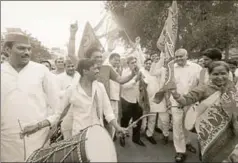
(24, 142)
(135, 122)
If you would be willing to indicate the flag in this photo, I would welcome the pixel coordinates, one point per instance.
(109, 29)
(166, 43)
(88, 41)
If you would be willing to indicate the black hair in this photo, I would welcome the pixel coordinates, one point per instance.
(45, 62)
(148, 59)
(213, 53)
(215, 64)
(84, 64)
(232, 62)
(8, 44)
(58, 59)
(91, 51)
(113, 55)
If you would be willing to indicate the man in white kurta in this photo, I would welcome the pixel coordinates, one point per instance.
(88, 109)
(66, 79)
(23, 100)
(155, 82)
(186, 76)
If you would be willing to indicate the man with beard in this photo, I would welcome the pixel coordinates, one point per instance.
(27, 89)
(66, 79)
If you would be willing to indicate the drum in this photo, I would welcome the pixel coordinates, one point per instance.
(190, 119)
(92, 144)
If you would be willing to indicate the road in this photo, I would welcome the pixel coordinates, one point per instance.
(151, 153)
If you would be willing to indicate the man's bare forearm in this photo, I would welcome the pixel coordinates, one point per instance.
(71, 49)
(114, 124)
(43, 124)
(123, 80)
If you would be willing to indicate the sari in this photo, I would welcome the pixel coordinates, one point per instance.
(216, 123)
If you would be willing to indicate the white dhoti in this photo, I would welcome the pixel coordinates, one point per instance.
(180, 134)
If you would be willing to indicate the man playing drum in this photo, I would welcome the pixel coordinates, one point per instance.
(89, 100)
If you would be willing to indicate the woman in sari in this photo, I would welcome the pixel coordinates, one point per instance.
(216, 123)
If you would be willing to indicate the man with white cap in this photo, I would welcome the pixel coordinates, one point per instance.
(25, 86)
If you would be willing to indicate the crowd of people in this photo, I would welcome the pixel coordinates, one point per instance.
(83, 92)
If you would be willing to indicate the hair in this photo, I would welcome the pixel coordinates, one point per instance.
(113, 55)
(215, 64)
(232, 62)
(181, 50)
(91, 51)
(4, 53)
(85, 64)
(58, 59)
(45, 62)
(8, 44)
(129, 59)
(148, 59)
(213, 53)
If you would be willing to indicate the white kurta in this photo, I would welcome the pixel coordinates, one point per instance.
(23, 98)
(130, 90)
(155, 83)
(85, 110)
(65, 81)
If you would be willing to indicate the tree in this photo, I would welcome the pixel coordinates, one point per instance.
(202, 24)
(39, 52)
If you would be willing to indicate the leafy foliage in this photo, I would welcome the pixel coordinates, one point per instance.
(202, 24)
(39, 52)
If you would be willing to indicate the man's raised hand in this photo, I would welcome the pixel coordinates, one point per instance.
(74, 28)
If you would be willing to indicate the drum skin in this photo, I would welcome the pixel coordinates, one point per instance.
(71, 150)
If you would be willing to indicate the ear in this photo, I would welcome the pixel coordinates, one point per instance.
(7, 50)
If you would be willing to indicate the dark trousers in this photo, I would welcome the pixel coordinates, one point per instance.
(134, 111)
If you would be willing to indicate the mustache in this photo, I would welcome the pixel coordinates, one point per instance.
(26, 55)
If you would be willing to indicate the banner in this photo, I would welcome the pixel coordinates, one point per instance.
(166, 43)
(88, 41)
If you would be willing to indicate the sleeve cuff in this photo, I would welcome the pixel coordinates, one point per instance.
(53, 119)
(109, 118)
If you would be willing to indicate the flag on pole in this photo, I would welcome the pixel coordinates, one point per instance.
(166, 43)
(88, 41)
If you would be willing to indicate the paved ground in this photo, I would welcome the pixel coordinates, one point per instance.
(151, 153)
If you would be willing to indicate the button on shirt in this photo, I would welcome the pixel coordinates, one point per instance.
(186, 78)
(130, 90)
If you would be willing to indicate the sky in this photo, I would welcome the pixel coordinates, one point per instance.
(49, 21)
